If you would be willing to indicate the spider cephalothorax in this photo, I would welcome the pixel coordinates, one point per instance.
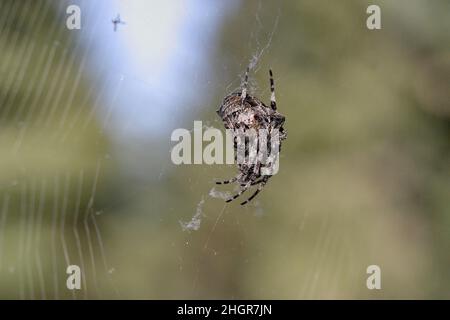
(242, 111)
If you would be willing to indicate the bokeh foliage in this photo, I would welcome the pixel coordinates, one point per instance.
(364, 176)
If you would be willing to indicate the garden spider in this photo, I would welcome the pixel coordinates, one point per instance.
(242, 111)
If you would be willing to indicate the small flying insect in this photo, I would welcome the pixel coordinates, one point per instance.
(116, 21)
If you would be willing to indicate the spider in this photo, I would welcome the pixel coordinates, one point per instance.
(241, 110)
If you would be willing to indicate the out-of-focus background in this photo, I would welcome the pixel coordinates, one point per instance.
(85, 171)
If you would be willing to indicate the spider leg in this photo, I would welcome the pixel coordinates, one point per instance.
(258, 181)
(273, 102)
(245, 85)
(230, 180)
(239, 193)
(260, 187)
(256, 169)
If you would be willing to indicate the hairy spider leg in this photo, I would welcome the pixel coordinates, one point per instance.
(260, 187)
(230, 180)
(273, 102)
(248, 177)
(245, 85)
(239, 193)
(263, 179)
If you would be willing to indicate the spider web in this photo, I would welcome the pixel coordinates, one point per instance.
(55, 216)
(48, 215)
(49, 221)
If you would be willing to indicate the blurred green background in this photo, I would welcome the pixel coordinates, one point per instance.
(364, 174)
